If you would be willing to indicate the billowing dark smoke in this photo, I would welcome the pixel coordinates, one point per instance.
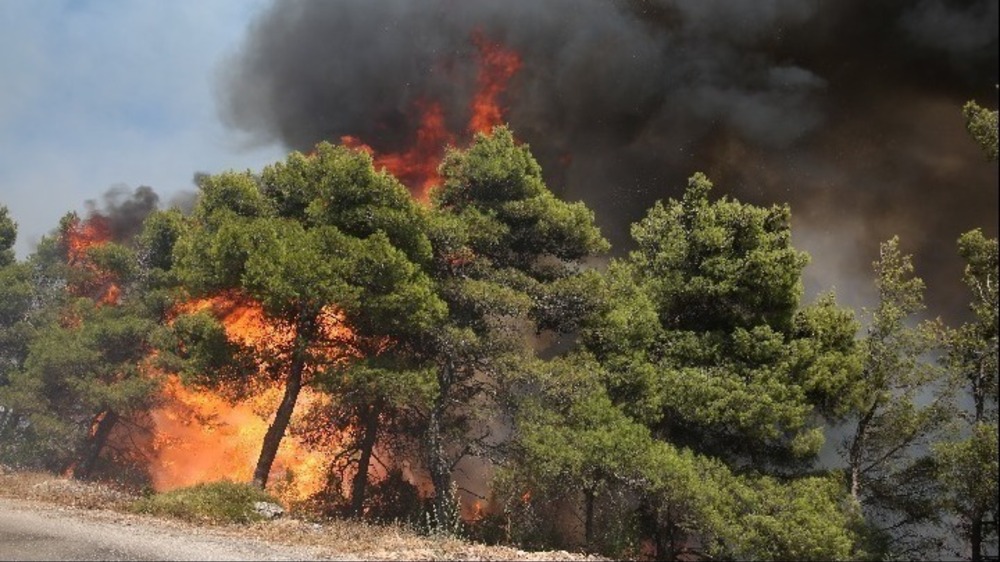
(122, 210)
(848, 110)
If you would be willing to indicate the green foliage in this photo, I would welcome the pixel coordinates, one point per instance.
(160, 232)
(703, 338)
(311, 238)
(74, 372)
(507, 262)
(966, 468)
(339, 187)
(968, 472)
(216, 502)
(82, 330)
(799, 520)
(902, 405)
(496, 187)
(700, 375)
(574, 444)
(314, 231)
(982, 125)
(8, 235)
(973, 347)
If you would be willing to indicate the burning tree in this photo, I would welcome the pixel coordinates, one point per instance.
(330, 251)
(83, 376)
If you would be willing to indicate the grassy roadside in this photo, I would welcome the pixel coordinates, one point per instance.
(334, 538)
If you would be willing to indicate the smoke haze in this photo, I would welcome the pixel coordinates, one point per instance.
(123, 210)
(847, 110)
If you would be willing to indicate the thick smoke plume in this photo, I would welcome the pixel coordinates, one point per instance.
(121, 210)
(848, 110)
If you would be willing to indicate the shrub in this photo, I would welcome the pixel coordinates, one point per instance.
(216, 502)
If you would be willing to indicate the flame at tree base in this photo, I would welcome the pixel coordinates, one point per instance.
(200, 437)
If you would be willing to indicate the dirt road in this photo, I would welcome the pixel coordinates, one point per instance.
(36, 531)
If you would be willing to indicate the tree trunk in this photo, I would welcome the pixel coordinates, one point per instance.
(437, 462)
(588, 524)
(369, 428)
(276, 431)
(857, 450)
(103, 424)
(976, 538)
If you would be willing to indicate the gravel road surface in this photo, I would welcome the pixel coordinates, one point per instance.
(35, 531)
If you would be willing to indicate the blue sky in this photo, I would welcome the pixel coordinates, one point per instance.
(99, 93)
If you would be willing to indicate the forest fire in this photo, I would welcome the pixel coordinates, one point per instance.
(201, 435)
(80, 236)
(214, 432)
(417, 166)
(496, 67)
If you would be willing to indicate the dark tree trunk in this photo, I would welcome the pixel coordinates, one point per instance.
(305, 329)
(369, 436)
(276, 431)
(976, 539)
(437, 462)
(588, 526)
(104, 424)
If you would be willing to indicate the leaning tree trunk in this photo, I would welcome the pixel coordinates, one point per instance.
(369, 428)
(104, 423)
(293, 384)
(276, 431)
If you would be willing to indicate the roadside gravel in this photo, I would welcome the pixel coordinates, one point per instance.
(32, 530)
(45, 517)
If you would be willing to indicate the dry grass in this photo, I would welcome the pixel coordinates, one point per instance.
(339, 539)
(49, 488)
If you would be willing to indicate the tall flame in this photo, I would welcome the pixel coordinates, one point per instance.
(417, 167)
(201, 436)
(496, 67)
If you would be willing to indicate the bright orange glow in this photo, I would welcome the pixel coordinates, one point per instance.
(478, 512)
(82, 235)
(200, 436)
(417, 167)
(496, 67)
(78, 237)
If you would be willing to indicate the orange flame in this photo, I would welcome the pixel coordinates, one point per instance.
(496, 67)
(200, 436)
(417, 167)
(80, 236)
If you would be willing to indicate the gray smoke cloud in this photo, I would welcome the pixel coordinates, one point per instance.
(124, 209)
(847, 110)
